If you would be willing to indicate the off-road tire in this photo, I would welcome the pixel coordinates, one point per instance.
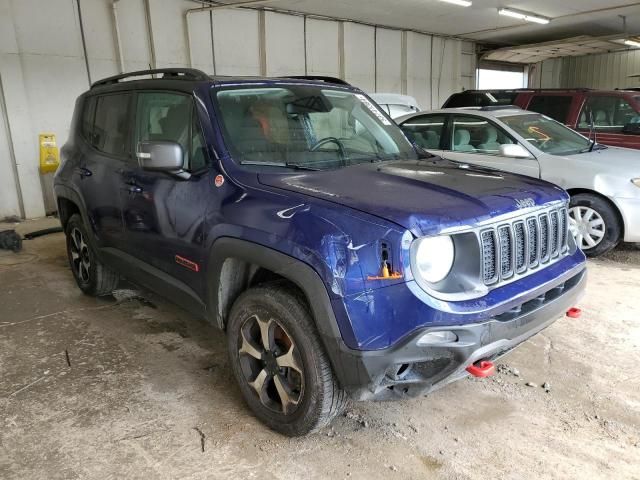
(321, 398)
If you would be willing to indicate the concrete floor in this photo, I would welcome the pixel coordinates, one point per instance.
(134, 387)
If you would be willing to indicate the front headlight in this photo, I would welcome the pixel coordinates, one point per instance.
(636, 181)
(433, 258)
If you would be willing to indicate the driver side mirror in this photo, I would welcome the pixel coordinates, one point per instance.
(514, 151)
(161, 156)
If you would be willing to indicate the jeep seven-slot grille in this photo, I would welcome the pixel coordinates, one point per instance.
(522, 244)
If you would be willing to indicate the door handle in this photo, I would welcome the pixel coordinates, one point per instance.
(83, 172)
(133, 186)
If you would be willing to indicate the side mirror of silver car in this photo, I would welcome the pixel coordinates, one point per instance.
(514, 151)
(161, 156)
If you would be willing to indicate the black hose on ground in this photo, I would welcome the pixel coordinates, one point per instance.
(40, 233)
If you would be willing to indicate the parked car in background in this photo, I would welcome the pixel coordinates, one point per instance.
(604, 182)
(294, 214)
(396, 105)
(614, 114)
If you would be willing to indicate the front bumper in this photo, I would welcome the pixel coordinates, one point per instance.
(630, 210)
(409, 370)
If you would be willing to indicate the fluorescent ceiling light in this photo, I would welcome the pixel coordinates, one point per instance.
(510, 13)
(527, 17)
(461, 3)
(632, 43)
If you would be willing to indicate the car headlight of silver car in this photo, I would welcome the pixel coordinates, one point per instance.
(432, 258)
(636, 181)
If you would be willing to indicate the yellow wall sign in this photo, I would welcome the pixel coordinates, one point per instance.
(49, 153)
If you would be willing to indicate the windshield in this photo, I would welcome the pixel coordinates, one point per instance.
(547, 135)
(310, 127)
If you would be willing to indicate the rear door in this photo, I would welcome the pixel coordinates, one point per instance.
(477, 140)
(105, 129)
(610, 114)
(164, 214)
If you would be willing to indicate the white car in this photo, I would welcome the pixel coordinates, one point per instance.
(604, 182)
(395, 104)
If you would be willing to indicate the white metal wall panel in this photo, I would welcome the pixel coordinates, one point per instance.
(467, 65)
(236, 42)
(323, 51)
(201, 41)
(134, 34)
(359, 56)
(97, 20)
(419, 68)
(167, 26)
(284, 44)
(445, 73)
(605, 71)
(388, 60)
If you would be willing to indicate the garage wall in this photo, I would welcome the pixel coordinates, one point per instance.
(51, 51)
(605, 71)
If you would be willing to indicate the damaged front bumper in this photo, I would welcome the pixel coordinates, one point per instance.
(419, 364)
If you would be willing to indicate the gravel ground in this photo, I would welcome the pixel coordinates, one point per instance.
(133, 387)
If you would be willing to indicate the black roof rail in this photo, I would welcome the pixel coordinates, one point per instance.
(173, 73)
(319, 78)
(535, 90)
(490, 108)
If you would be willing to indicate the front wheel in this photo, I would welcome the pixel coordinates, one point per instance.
(279, 363)
(594, 223)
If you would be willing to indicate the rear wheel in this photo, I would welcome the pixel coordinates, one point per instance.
(91, 275)
(279, 363)
(594, 223)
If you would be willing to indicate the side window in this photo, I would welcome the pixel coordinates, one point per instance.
(425, 130)
(477, 135)
(111, 127)
(554, 106)
(88, 117)
(610, 113)
(171, 117)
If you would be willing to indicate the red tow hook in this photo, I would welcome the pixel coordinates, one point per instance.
(482, 369)
(574, 312)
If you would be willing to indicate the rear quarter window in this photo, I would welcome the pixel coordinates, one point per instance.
(111, 125)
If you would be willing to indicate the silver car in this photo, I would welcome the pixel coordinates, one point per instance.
(604, 182)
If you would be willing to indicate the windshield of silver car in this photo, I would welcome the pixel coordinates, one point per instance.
(547, 135)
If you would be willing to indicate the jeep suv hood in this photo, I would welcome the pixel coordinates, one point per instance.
(424, 196)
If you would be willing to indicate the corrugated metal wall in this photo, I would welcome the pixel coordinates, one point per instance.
(605, 71)
(43, 67)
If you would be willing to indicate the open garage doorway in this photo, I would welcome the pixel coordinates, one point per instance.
(497, 76)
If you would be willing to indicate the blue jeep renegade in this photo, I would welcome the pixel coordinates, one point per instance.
(340, 260)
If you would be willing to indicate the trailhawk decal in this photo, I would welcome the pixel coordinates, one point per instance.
(373, 109)
(186, 263)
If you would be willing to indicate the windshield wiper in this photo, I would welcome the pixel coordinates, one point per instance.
(294, 166)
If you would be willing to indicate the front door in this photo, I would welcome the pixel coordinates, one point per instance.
(477, 141)
(164, 214)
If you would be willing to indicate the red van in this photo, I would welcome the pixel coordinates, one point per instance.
(615, 113)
